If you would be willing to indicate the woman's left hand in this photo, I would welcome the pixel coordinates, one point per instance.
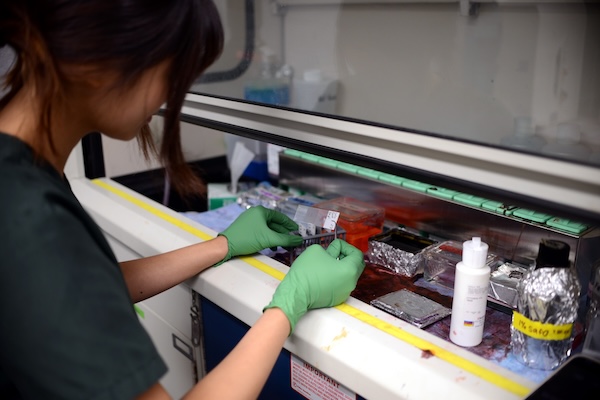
(259, 228)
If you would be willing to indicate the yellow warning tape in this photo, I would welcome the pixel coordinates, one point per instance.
(398, 333)
(169, 218)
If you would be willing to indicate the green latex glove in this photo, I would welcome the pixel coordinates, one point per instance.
(257, 229)
(318, 278)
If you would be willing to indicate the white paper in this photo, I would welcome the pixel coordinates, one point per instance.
(240, 160)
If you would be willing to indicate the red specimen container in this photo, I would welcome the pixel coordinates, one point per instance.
(360, 220)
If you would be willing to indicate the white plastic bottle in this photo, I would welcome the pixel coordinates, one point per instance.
(315, 92)
(471, 286)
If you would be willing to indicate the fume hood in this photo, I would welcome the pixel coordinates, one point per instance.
(485, 113)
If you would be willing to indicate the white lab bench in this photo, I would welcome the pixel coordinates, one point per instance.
(370, 352)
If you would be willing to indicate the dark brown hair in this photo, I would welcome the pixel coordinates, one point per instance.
(125, 36)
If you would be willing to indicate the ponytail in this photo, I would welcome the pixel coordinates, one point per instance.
(33, 67)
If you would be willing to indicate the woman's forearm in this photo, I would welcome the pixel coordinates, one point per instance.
(148, 276)
(243, 373)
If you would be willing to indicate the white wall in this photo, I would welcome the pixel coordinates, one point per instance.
(121, 158)
(426, 67)
(423, 66)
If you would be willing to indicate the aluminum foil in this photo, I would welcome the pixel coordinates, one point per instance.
(411, 307)
(400, 261)
(547, 295)
(503, 283)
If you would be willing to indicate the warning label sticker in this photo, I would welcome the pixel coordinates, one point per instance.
(315, 385)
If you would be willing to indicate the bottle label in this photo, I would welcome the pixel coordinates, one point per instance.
(540, 330)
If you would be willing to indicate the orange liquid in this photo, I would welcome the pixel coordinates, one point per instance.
(358, 234)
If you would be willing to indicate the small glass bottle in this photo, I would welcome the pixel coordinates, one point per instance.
(568, 143)
(272, 85)
(542, 326)
(524, 136)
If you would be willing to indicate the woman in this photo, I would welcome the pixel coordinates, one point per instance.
(68, 326)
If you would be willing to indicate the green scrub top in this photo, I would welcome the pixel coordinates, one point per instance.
(68, 329)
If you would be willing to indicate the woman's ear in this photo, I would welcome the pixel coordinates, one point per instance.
(89, 77)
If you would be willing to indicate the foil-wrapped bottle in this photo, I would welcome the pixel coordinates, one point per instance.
(542, 326)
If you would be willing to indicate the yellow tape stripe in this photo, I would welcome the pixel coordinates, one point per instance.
(267, 269)
(398, 333)
(178, 223)
(437, 351)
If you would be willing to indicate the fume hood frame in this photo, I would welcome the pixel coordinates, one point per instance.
(564, 189)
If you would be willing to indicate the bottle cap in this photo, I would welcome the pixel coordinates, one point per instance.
(553, 254)
(474, 253)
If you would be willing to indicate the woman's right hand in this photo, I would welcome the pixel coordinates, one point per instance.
(318, 278)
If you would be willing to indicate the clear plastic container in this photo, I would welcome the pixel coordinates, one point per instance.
(360, 220)
(289, 205)
(263, 195)
(440, 262)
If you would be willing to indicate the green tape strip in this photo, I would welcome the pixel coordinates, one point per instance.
(139, 311)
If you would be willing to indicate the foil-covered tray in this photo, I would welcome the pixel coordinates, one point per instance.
(399, 251)
(503, 282)
(411, 307)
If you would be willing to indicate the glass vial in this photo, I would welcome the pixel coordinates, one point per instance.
(272, 85)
